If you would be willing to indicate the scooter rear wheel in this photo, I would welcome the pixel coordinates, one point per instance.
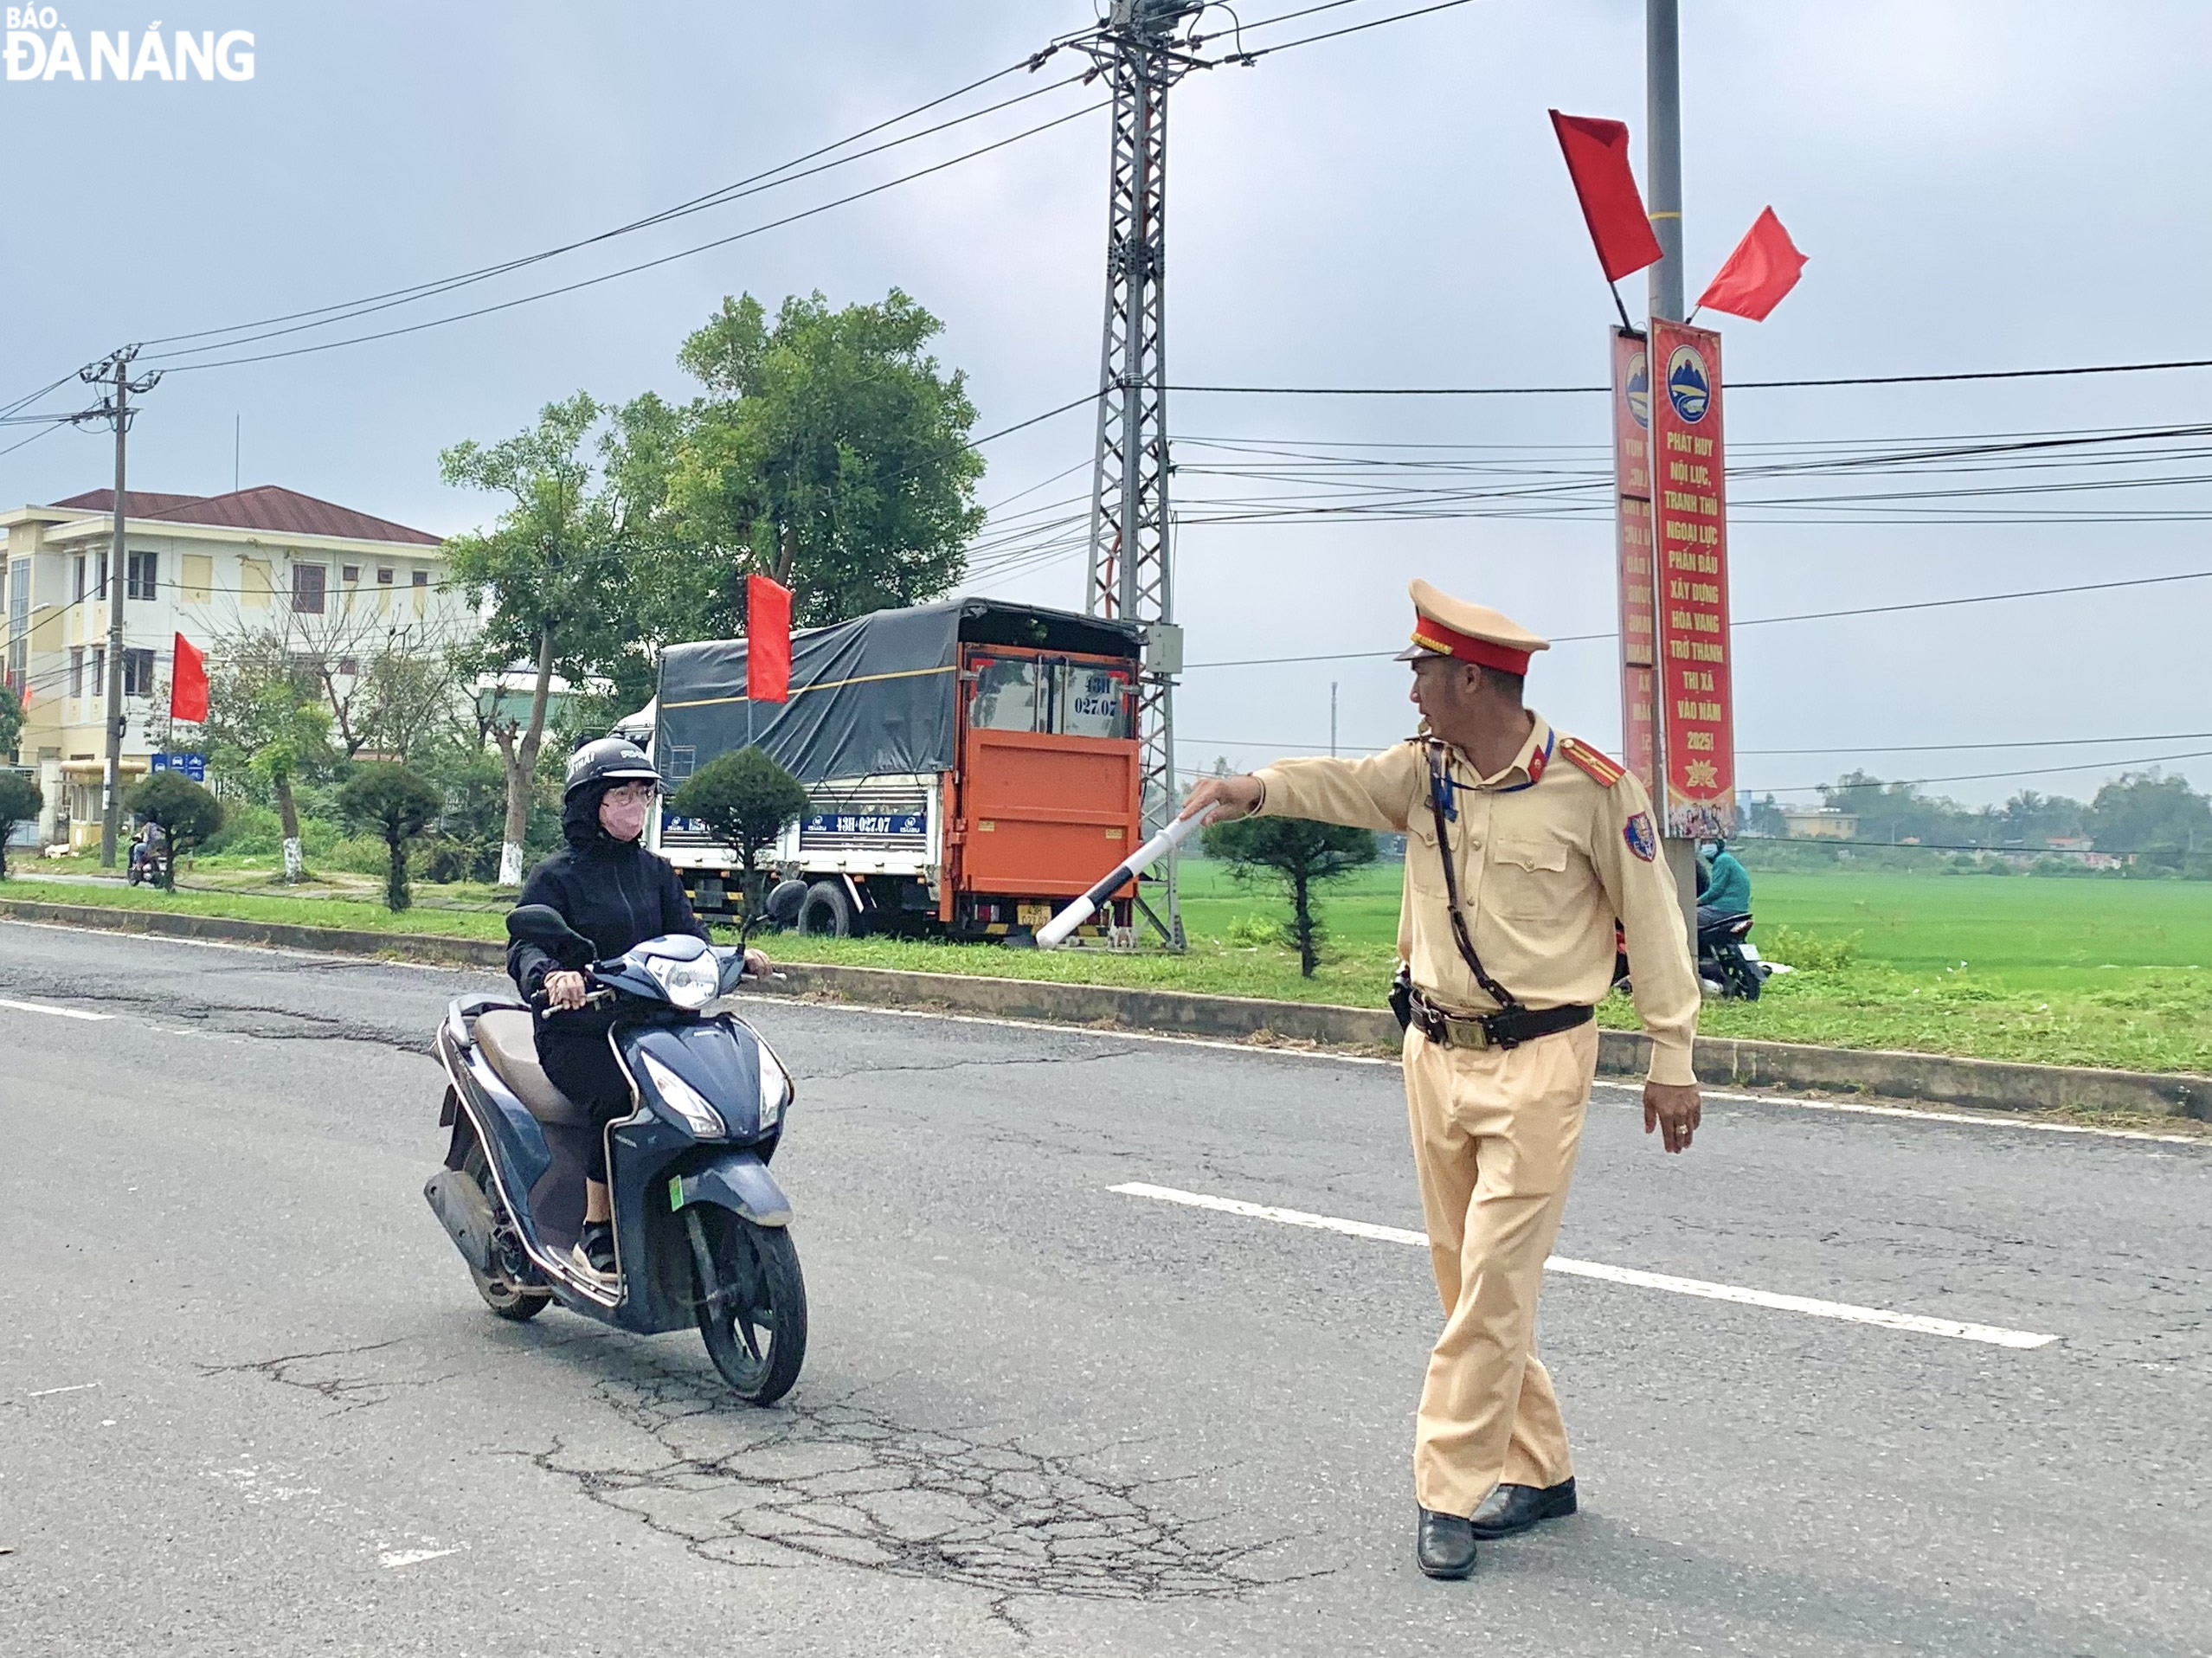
(502, 1294)
(752, 1301)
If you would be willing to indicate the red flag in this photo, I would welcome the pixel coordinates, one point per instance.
(187, 684)
(1763, 267)
(1597, 153)
(767, 640)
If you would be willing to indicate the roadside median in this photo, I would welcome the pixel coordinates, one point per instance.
(1932, 1079)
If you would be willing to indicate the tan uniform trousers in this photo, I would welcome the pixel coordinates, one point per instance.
(1495, 1132)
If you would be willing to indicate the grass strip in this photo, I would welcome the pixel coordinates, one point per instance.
(2123, 1015)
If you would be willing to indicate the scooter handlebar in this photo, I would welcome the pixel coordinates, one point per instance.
(542, 1004)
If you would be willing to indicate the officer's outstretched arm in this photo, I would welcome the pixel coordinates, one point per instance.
(1378, 792)
(1625, 845)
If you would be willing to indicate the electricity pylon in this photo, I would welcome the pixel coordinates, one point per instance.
(1131, 572)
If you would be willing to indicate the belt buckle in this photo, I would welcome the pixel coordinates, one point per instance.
(1468, 1033)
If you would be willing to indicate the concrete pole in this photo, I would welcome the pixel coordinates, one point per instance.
(1663, 194)
(1662, 168)
(110, 821)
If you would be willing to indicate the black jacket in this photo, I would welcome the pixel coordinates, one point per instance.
(614, 892)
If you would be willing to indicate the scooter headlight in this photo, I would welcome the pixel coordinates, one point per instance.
(683, 1100)
(690, 984)
(775, 1088)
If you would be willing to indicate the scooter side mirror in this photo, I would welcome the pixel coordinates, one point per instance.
(542, 925)
(786, 902)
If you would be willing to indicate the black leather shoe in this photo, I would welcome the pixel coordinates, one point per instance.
(1512, 1508)
(1444, 1546)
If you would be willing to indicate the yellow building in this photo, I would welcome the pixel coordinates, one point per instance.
(336, 586)
(1823, 825)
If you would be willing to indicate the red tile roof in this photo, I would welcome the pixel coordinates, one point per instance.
(266, 506)
(142, 503)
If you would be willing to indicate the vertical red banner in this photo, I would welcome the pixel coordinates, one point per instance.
(1632, 528)
(1696, 703)
(188, 683)
(767, 640)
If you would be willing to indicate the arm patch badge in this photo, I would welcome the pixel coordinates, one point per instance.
(1642, 839)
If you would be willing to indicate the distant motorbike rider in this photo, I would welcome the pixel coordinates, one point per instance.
(148, 845)
(1726, 888)
(610, 888)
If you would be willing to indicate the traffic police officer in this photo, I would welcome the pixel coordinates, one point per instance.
(1523, 846)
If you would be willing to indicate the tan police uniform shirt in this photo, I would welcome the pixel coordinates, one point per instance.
(1544, 869)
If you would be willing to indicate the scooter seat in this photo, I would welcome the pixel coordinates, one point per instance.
(508, 1037)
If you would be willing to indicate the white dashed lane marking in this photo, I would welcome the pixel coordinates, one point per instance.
(47, 1007)
(1916, 1323)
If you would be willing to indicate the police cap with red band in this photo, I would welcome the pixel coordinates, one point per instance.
(1444, 626)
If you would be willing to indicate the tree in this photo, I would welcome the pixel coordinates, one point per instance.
(294, 739)
(1299, 856)
(2032, 819)
(829, 452)
(188, 814)
(267, 724)
(398, 804)
(746, 801)
(11, 718)
(2162, 820)
(553, 571)
(21, 798)
(1766, 818)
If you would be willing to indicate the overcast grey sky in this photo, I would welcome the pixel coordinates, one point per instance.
(2003, 184)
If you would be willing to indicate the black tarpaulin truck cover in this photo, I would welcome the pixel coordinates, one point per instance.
(876, 695)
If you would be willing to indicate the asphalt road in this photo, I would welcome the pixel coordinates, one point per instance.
(250, 1404)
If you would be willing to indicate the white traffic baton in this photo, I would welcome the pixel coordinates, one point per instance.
(1054, 932)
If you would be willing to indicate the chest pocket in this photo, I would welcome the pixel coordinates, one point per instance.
(1528, 877)
(1424, 862)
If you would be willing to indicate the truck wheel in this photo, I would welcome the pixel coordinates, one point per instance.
(827, 912)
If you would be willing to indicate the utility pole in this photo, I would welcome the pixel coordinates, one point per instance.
(1332, 719)
(1131, 575)
(116, 368)
(1663, 189)
(1663, 167)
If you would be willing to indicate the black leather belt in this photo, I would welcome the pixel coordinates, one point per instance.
(1507, 1028)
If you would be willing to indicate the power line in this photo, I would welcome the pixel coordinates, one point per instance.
(25, 442)
(1738, 385)
(650, 264)
(1258, 52)
(1858, 748)
(1970, 776)
(330, 315)
(1760, 621)
(711, 198)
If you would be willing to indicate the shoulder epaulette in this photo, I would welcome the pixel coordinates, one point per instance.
(1606, 770)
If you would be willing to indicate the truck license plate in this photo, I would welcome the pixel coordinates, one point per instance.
(1032, 915)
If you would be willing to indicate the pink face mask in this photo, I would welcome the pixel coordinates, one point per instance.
(623, 813)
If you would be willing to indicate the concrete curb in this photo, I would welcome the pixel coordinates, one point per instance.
(1934, 1079)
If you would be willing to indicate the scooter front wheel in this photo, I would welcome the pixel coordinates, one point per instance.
(752, 1301)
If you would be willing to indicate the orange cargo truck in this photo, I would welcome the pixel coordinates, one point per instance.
(969, 766)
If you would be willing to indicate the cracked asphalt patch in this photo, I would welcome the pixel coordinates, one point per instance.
(835, 1480)
(246, 997)
(345, 1392)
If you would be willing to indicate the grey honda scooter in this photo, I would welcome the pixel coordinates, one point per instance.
(702, 1230)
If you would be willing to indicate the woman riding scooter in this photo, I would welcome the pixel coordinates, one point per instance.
(610, 888)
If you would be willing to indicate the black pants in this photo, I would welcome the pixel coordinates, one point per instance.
(581, 1063)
